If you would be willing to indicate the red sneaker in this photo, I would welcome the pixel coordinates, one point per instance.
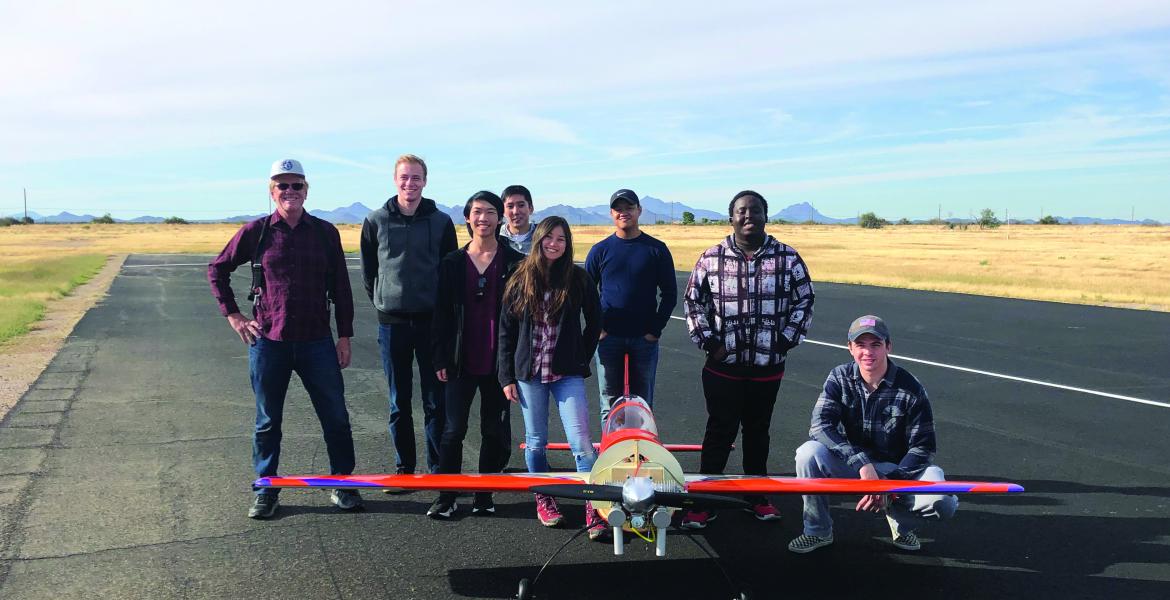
(764, 511)
(596, 525)
(547, 511)
(697, 519)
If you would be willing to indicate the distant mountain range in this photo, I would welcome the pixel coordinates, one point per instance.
(654, 210)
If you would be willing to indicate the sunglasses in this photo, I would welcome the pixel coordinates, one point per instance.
(295, 186)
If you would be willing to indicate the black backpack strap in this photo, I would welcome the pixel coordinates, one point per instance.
(257, 287)
(330, 272)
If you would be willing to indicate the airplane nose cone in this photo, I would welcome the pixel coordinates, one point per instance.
(638, 494)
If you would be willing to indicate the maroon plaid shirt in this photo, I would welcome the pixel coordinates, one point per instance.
(293, 306)
(544, 341)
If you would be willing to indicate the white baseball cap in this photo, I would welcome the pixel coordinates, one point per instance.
(287, 166)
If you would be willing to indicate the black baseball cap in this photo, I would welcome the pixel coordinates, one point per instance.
(624, 195)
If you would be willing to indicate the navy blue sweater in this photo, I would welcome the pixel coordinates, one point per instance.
(631, 275)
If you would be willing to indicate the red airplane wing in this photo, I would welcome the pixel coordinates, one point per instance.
(494, 482)
(596, 446)
(741, 484)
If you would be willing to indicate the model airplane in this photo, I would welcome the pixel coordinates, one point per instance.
(636, 484)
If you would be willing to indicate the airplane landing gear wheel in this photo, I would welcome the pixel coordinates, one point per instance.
(525, 591)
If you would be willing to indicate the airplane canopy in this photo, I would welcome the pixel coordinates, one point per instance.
(630, 412)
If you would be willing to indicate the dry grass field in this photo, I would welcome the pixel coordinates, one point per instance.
(1127, 266)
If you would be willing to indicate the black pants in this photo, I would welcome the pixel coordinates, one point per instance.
(494, 424)
(732, 403)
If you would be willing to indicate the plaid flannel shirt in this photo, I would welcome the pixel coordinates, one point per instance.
(894, 423)
(757, 309)
(544, 342)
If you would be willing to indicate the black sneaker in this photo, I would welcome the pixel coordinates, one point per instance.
(483, 504)
(346, 499)
(263, 506)
(393, 490)
(444, 507)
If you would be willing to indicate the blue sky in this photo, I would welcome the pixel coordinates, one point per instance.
(894, 107)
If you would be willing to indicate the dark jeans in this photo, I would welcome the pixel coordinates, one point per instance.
(495, 427)
(402, 344)
(732, 403)
(611, 370)
(272, 364)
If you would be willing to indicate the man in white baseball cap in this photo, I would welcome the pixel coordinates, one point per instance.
(298, 266)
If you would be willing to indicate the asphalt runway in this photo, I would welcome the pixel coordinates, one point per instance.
(125, 470)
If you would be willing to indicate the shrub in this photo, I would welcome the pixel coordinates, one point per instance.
(8, 222)
(175, 221)
(903, 221)
(987, 219)
(1049, 220)
(870, 221)
(105, 219)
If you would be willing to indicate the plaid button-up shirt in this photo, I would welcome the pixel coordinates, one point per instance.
(757, 309)
(544, 342)
(293, 306)
(893, 423)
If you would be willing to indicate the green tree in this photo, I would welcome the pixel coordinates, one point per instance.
(987, 219)
(104, 219)
(688, 218)
(175, 221)
(1049, 220)
(903, 221)
(870, 221)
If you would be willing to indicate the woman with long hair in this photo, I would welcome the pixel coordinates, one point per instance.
(549, 325)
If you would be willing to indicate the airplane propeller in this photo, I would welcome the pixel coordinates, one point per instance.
(611, 493)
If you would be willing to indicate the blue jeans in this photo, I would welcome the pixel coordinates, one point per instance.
(272, 364)
(400, 343)
(611, 353)
(569, 394)
(905, 513)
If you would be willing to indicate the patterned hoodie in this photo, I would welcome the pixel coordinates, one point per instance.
(756, 309)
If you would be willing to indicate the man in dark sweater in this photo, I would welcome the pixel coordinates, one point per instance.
(635, 277)
(401, 245)
(465, 344)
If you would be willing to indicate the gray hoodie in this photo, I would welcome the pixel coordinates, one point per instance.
(520, 242)
(400, 258)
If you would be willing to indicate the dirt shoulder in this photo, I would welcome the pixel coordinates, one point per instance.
(22, 359)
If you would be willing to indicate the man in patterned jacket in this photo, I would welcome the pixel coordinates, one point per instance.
(872, 421)
(748, 302)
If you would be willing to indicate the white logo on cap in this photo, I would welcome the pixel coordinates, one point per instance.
(867, 322)
(287, 165)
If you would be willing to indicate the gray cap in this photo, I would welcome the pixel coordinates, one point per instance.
(287, 166)
(868, 324)
(624, 195)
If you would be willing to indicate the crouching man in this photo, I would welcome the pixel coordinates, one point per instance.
(872, 421)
